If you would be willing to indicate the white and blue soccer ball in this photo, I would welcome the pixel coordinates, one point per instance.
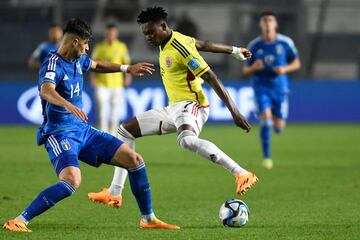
(234, 213)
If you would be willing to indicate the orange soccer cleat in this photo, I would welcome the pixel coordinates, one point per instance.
(16, 226)
(106, 198)
(244, 182)
(157, 224)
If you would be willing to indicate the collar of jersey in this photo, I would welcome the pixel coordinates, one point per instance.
(170, 40)
(57, 54)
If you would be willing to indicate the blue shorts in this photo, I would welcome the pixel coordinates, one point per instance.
(89, 145)
(277, 102)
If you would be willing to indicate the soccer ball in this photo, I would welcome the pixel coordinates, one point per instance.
(234, 213)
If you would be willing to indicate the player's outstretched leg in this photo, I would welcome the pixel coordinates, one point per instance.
(140, 186)
(70, 178)
(244, 179)
(265, 137)
(112, 196)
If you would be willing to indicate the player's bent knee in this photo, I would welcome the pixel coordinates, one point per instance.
(187, 139)
(126, 158)
(71, 175)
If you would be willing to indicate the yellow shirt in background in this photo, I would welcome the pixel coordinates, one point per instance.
(181, 67)
(117, 52)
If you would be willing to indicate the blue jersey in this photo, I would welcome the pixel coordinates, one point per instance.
(68, 78)
(43, 50)
(279, 52)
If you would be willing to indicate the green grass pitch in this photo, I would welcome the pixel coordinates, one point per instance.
(312, 193)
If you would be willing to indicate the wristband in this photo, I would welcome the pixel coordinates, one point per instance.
(124, 68)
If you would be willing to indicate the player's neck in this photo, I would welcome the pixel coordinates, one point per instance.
(66, 54)
(168, 37)
(269, 37)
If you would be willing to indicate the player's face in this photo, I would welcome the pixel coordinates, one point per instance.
(268, 24)
(155, 33)
(81, 46)
(55, 34)
(111, 34)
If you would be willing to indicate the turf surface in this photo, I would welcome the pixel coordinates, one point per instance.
(312, 193)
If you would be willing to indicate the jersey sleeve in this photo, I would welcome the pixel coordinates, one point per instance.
(50, 71)
(291, 51)
(85, 62)
(190, 56)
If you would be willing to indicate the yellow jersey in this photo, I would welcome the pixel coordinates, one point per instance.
(181, 67)
(117, 52)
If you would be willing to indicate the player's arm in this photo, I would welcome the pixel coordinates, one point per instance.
(48, 93)
(34, 64)
(241, 54)
(211, 78)
(138, 69)
(253, 68)
(293, 66)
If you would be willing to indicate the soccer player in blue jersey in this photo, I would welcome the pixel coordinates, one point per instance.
(68, 137)
(274, 55)
(55, 34)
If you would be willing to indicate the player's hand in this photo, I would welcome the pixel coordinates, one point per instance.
(279, 70)
(258, 65)
(241, 54)
(139, 69)
(242, 122)
(77, 112)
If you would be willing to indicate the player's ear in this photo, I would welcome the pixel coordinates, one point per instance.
(75, 42)
(163, 26)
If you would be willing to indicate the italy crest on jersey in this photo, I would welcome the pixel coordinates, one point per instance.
(65, 144)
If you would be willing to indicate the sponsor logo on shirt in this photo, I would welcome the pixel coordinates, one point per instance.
(65, 77)
(193, 64)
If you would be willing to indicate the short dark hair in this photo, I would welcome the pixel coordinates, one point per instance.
(111, 25)
(78, 27)
(152, 14)
(267, 13)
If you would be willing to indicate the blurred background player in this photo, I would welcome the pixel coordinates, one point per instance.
(183, 71)
(55, 34)
(274, 55)
(109, 88)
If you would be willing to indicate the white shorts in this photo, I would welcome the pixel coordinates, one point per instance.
(169, 119)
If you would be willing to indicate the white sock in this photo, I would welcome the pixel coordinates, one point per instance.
(21, 218)
(148, 218)
(117, 184)
(120, 174)
(188, 139)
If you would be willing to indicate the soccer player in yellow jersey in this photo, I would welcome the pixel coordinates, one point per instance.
(183, 71)
(109, 88)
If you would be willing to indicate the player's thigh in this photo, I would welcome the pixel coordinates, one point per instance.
(98, 147)
(279, 122)
(155, 122)
(126, 157)
(263, 104)
(63, 151)
(189, 115)
(117, 99)
(280, 107)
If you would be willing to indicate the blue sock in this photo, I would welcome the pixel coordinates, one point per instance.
(47, 198)
(140, 187)
(265, 136)
(278, 130)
